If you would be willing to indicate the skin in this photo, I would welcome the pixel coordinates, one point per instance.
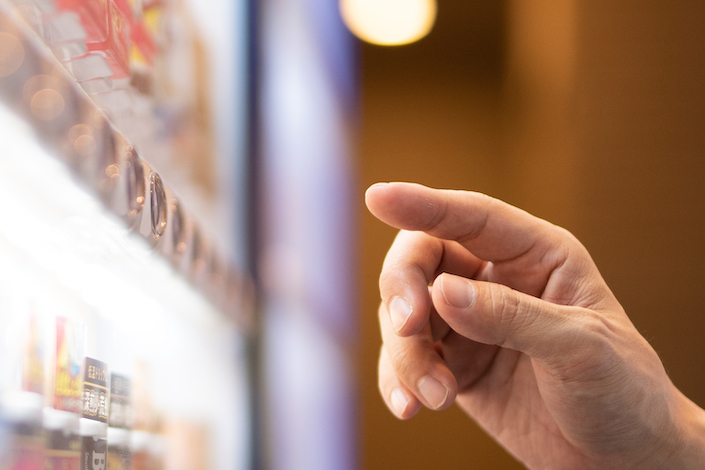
(507, 315)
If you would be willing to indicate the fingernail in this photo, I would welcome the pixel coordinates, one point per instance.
(433, 391)
(457, 292)
(399, 401)
(399, 311)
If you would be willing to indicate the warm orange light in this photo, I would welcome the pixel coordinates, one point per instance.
(79, 130)
(47, 104)
(389, 22)
(85, 145)
(36, 83)
(112, 170)
(11, 54)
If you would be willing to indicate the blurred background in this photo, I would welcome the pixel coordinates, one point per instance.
(587, 113)
(182, 188)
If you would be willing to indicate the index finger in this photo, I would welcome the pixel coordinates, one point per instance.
(490, 229)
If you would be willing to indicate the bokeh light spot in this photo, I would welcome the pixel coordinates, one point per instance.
(389, 22)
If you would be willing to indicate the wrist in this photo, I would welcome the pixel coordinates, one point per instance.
(677, 442)
(690, 453)
(680, 442)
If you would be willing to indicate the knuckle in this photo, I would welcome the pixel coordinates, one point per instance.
(486, 201)
(399, 271)
(485, 206)
(595, 353)
(512, 312)
(571, 247)
(437, 218)
(385, 373)
(391, 276)
(400, 358)
(564, 234)
(504, 307)
(599, 333)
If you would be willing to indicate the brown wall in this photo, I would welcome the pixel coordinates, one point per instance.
(588, 113)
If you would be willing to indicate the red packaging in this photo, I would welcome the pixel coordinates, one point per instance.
(107, 24)
(93, 14)
(116, 47)
(143, 42)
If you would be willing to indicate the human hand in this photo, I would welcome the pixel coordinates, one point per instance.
(507, 315)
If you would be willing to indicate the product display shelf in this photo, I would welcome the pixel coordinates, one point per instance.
(37, 88)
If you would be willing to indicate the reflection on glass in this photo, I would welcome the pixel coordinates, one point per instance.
(198, 255)
(97, 118)
(85, 145)
(37, 83)
(11, 54)
(108, 170)
(177, 227)
(134, 176)
(47, 104)
(42, 92)
(79, 130)
(81, 143)
(217, 278)
(158, 205)
(107, 138)
(113, 171)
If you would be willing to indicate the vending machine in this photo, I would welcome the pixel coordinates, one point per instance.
(126, 308)
(177, 235)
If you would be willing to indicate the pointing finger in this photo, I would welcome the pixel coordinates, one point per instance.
(491, 229)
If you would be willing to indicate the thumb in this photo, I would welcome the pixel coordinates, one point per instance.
(495, 314)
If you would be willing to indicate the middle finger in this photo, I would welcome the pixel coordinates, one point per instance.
(412, 263)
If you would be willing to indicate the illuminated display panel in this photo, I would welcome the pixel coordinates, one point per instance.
(307, 240)
(88, 278)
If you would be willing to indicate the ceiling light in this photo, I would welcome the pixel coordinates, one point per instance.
(389, 22)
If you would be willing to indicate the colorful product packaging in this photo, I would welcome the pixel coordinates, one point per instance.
(93, 15)
(22, 443)
(63, 445)
(33, 358)
(21, 436)
(68, 382)
(93, 426)
(116, 47)
(146, 441)
(120, 402)
(96, 396)
(94, 444)
(119, 451)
